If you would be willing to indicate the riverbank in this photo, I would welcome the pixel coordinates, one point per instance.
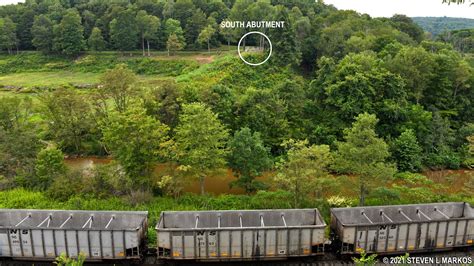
(452, 181)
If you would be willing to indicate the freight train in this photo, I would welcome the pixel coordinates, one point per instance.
(246, 235)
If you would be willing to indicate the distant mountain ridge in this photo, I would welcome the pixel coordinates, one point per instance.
(437, 25)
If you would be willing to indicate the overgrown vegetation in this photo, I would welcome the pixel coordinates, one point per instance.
(362, 106)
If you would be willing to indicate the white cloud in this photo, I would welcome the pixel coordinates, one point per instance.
(411, 8)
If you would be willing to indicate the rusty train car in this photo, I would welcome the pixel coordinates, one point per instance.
(237, 235)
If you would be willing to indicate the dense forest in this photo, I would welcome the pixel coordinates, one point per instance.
(438, 25)
(462, 40)
(348, 110)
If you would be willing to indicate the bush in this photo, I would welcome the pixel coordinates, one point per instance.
(138, 197)
(272, 200)
(65, 186)
(340, 202)
(448, 159)
(49, 165)
(95, 63)
(407, 152)
(413, 179)
(382, 195)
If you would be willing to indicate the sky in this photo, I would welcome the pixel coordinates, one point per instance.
(387, 8)
(411, 8)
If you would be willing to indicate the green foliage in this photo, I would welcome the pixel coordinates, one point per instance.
(65, 187)
(436, 25)
(19, 140)
(339, 202)
(72, 125)
(406, 25)
(407, 152)
(364, 154)
(68, 35)
(136, 141)
(174, 36)
(469, 161)
(8, 39)
(416, 66)
(365, 259)
(305, 171)
(285, 45)
(360, 84)
(205, 36)
(102, 181)
(164, 103)
(264, 112)
(174, 44)
(462, 40)
(148, 26)
(123, 31)
(200, 141)
(438, 144)
(63, 260)
(49, 165)
(42, 33)
(94, 63)
(96, 41)
(117, 85)
(248, 158)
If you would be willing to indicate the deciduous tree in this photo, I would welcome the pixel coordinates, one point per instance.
(206, 35)
(8, 39)
(148, 27)
(70, 116)
(42, 32)
(200, 140)
(124, 31)
(96, 40)
(364, 154)
(304, 171)
(137, 141)
(407, 152)
(49, 165)
(117, 84)
(285, 46)
(174, 44)
(248, 158)
(19, 141)
(69, 38)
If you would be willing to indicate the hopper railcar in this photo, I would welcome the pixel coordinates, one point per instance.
(403, 228)
(238, 235)
(46, 234)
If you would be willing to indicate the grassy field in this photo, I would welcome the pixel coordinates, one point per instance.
(48, 79)
(58, 79)
(35, 70)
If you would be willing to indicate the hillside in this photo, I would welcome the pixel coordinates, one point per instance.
(437, 25)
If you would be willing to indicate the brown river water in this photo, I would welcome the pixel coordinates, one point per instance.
(219, 183)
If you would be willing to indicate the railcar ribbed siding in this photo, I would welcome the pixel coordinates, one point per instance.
(45, 234)
(240, 235)
(404, 228)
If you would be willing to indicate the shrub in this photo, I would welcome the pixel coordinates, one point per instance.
(339, 202)
(137, 197)
(49, 165)
(271, 200)
(64, 260)
(65, 186)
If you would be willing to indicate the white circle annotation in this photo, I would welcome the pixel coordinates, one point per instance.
(269, 54)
